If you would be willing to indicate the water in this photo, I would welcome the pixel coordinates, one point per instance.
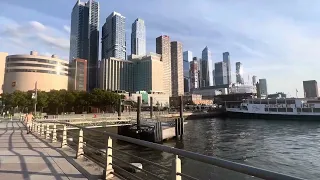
(289, 147)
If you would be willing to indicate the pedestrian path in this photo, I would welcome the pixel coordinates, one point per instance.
(23, 156)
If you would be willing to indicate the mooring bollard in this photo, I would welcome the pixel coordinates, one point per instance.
(176, 171)
(54, 133)
(64, 137)
(80, 144)
(108, 168)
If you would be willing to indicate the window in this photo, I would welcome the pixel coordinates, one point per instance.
(273, 109)
(289, 109)
(266, 109)
(37, 71)
(281, 101)
(281, 109)
(290, 101)
(272, 101)
(306, 110)
(298, 109)
(316, 109)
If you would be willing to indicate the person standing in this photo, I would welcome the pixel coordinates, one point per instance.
(28, 121)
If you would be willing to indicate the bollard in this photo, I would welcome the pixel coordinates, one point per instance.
(119, 109)
(48, 132)
(108, 169)
(54, 133)
(80, 144)
(139, 113)
(151, 107)
(64, 137)
(42, 130)
(176, 168)
(181, 106)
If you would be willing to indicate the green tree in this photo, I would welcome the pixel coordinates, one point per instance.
(42, 100)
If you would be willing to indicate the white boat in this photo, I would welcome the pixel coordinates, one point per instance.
(293, 108)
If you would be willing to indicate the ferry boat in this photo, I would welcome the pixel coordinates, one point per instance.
(293, 108)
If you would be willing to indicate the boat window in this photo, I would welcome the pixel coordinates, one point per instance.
(266, 109)
(273, 109)
(298, 109)
(256, 101)
(316, 109)
(281, 109)
(244, 108)
(289, 109)
(306, 110)
(264, 101)
(281, 101)
(290, 101)
(272, 101)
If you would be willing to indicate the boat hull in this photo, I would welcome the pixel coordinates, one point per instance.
(231, 114)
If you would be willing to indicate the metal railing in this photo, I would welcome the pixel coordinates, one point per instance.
(111, 162)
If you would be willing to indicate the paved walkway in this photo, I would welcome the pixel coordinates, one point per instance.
(23, 156)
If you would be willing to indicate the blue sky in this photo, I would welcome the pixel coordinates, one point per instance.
(276, 40)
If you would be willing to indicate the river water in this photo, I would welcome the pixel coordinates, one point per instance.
(289, 147)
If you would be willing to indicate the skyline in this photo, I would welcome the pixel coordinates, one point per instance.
(263, 42)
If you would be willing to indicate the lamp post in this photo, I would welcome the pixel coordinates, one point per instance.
(35, 97)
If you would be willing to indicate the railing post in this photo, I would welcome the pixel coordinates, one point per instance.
(176, 168)
(54, 133)
(42, 130)
(108, 169)
(64, 136)
(80, 144)
(48, 132)
(38, 128)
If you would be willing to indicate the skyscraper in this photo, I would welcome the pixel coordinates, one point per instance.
(138, 37)
(221, 75)
(78, 75)
(187, 58)
(226, 59)
(310, 89)
(239, 73)
(163, 47)
(254, 80)
(114, 37)
(84, 37)
(194, 73)
(177, 68)
(206, 68)
(263, 88)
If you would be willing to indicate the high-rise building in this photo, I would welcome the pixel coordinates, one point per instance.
(177, 68)
(254, 80)
(194, 73)
(221, 74)
(263, 88)
(138, 38)
(3, 57)
(213, 77)
(206, 68)
(163, 47)
(114, 37)
(226, 59)
(116, 74)
(310, 89)
(77, 75)
(148, 73)
(187, 58)
(239, 73)
(84, 37)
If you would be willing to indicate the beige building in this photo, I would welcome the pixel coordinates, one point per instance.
(23, 71)
(148, 73)
(177, 68)
(78, 75)
(3, 57)
(163, 47)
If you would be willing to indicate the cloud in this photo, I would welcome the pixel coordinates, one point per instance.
(37, 26)
(67, 28)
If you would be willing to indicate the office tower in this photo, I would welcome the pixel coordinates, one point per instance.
(310, 89)
(263, 88)
(239, 73)
(194, 73)
(206, 68)
(226, 59)
(213, 77)
(187, 58)
(3, 57)
(163, 47)
(116, 74)
(254, 80)
(148, 73)
(84, 37)
(221, 74)
(177, 69)
(138, 38)
(114, 37)
(77, 75)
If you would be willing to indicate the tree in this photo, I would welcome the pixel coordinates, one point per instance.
(42, 100)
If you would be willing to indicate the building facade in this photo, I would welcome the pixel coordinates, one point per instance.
(221, 74)
(3, 57)
(263, 88)
(23, 71)
(78, 75)
(194, 74)
(138, 38)
(187, 58)
(177, 68)
(113, 39)
(148, 73)
(254, 80)
(310, 89)
(226, 59)
(239, 73)
(116, 74)
(206, 68)
(163, 47)
(84, 37)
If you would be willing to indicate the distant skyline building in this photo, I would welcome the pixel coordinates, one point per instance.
(114, 37)
(254, 80)
(177, 68)
(221, 74)
(263, 88)
(77, 75)
(226, 59)
(163, 47)
(187, 58)
(206, 68)
(310, 89)
(239, 73)
(194, 73)
(3, 57)
(84, 37)
(138, 38)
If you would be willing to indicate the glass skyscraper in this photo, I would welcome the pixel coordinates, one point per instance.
(221, 74)
(138, 37)
(84, 37)
(226, 59)
(187, 58)
(114, 37)
(239, 73)
(206, 68)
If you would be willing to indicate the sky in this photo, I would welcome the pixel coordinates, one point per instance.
(276, 40)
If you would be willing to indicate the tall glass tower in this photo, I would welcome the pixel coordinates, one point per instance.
(226, 59)
(84, 37)
(207, 68)
(114, 37)
(138, 37)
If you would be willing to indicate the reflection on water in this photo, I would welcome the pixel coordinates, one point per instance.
(289, 147)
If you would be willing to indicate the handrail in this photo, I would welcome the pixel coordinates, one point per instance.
(242, 168)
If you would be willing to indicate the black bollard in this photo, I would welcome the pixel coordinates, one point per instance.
(181, 106)
(119, 109)
(138, 113)
(151, 107)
